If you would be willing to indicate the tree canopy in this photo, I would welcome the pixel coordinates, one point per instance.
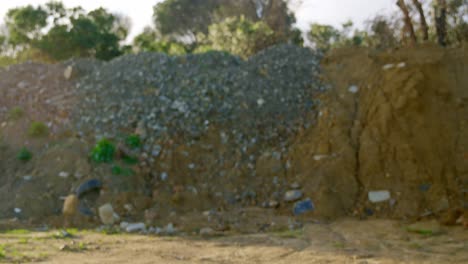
(62, 33)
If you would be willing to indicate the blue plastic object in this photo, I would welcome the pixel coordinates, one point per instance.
(88, 186)
(303, 207)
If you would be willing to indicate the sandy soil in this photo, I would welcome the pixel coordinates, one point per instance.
(345, 241)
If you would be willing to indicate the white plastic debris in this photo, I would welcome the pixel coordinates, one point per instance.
(17, 210)
(379, 196)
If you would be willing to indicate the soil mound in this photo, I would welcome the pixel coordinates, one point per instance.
(393, 122)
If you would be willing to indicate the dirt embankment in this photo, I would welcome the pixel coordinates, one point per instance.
(395, 122)
(392, 122)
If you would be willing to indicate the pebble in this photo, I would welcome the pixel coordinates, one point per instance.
(292, 195)
(135, 227)
(63, 174)
(107, 214)
(70, 205)
(353, 89)
(379, 196)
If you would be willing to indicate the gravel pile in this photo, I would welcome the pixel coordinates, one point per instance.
(262, 99)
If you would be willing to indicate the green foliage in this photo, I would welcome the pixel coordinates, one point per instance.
(149, 41)
(2, 252)
(133, 141)
(61, 33)
(239, 36)
(190, 18)
(323, 37)
(103, 151)
(38, 129)
(16, 113)
(24, 155)
(117, 170)
(25, 24)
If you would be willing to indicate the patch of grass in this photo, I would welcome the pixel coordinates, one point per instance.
(133, 141)
(16, 113)
(2, 252)
(117, 170)
(420, 231)
(24, 155)
(18, 232)
(38, 129)
(23, 241)
(103, 152)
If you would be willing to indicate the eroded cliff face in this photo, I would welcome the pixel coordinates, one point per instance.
(394, 121)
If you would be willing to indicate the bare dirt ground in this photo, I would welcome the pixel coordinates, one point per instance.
(345, 241)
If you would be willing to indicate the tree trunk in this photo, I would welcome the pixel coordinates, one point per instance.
(422, 18)
(440, 11)
(408, 23)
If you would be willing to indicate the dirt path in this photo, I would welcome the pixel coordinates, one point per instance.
(346, 241)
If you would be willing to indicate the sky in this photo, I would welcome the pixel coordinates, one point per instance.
(333, 12)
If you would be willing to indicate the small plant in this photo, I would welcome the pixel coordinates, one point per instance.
(24, 155)
(133, 141)
(2, 252)
(103, 151)
(117, 170)
(18, 232)
(38, 129)
(130, 160)
(16, 113)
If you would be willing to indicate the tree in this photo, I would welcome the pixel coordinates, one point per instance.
(440, 11)
(185, 19)
(25, 24)
(62, 33)
(239, 36)
(149, 40)
(422, 19)
(323, 37)
(409, 29)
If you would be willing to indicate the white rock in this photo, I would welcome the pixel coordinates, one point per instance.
(319, 157)
(68, 72)
(388, 66)
(164, 176)
(260, 102)
(64, 174)
(293, 195)
(123, 225)
(353, 89)
(170, 229)
(18, 210)
(401, 65)
(135, 227)
(106, 214)
(379, 196)
(27, 177)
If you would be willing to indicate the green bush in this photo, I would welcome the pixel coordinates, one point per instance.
(24, 155)
(133, 141)
(38, 129)
(16, 113)
(103, 151)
